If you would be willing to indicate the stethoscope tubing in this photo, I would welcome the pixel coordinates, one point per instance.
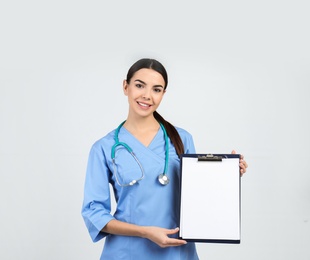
(127, 147)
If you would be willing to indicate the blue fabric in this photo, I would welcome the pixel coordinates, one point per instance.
(147, 203)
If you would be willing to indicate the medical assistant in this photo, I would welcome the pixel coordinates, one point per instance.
(147, 203)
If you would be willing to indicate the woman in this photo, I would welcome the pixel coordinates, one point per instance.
(144, 225)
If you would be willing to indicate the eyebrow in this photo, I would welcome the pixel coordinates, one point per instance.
(156, 86)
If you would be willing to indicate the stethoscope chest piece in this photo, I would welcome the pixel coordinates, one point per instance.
(163, 179)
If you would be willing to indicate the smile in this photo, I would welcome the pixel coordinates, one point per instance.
(143, 104)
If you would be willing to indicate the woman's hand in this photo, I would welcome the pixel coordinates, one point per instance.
(242, 163)
(160, 236)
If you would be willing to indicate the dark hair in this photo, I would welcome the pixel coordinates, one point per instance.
(157, 66)
(148, 64)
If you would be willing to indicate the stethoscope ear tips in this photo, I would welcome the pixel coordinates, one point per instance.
(163, 179)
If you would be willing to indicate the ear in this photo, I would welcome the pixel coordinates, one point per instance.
(125, 87)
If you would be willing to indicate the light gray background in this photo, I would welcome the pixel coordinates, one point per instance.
(239, 79)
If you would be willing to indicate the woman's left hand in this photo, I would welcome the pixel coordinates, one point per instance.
(242, 163)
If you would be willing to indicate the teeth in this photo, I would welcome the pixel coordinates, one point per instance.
(144, 105)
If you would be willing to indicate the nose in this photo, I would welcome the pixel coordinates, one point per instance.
(146, 94)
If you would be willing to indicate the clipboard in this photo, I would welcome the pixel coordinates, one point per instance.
(210, 205)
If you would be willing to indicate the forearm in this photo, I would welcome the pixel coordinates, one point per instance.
(117, 227)
(158, 235)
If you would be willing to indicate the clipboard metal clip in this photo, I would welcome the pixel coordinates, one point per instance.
(209, 157)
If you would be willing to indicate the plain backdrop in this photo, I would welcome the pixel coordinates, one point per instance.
(239, 78)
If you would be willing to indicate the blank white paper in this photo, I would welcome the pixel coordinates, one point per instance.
(210, 199)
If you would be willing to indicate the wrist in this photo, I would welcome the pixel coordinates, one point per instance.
(143, 231)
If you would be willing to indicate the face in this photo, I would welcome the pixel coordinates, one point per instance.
(144, 91)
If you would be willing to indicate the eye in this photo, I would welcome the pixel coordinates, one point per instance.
(138, 85)
(157, 90)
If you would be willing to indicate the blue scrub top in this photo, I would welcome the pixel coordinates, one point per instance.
(146, 203)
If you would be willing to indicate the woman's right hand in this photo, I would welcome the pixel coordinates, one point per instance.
(160, 236)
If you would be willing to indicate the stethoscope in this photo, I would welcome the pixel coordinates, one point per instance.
(162, 178)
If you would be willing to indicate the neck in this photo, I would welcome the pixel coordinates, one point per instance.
(141, 124)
